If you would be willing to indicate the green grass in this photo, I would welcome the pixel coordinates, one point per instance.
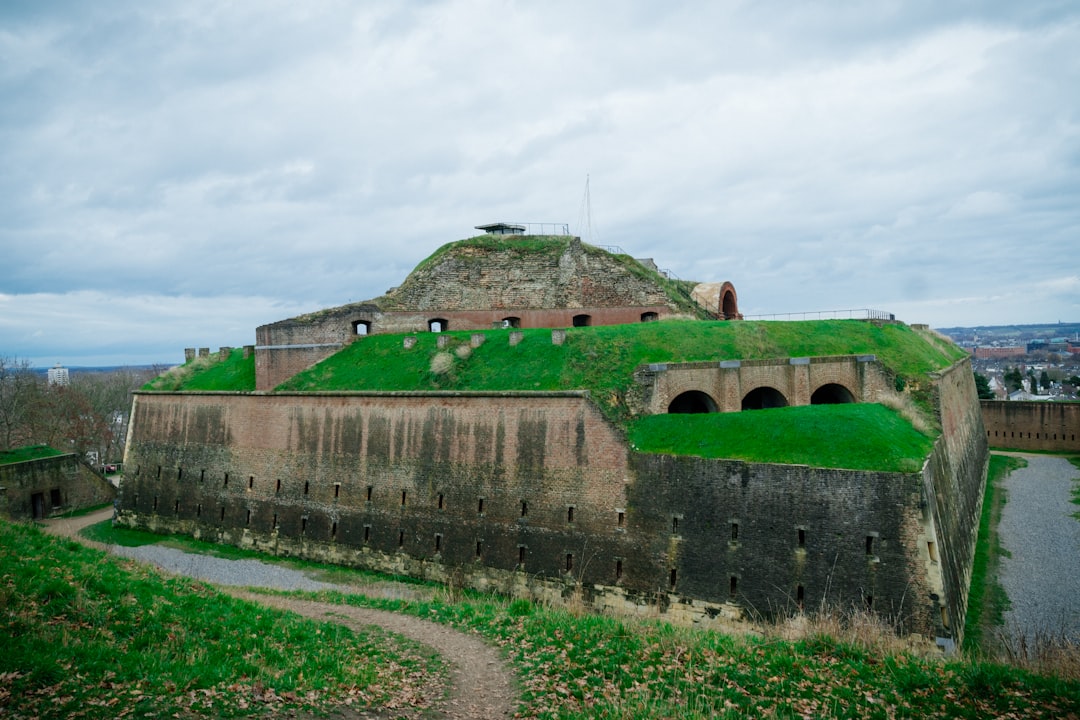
(862, 436)
(602, 359)
(587, 666)
(987, 601)
(85, 635)
(88, 630)
(233, 374)
(29, 452)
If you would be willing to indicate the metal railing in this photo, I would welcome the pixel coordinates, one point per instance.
(854, 314)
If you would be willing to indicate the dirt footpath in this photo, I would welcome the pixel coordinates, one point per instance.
(480, 684)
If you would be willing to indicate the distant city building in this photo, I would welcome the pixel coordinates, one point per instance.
(988, 353)
(58, 375)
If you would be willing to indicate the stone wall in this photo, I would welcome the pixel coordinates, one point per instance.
(474, 288)
(1044, 426)
(771, 538)
(44, 487)
(535, 493)
(955, 480)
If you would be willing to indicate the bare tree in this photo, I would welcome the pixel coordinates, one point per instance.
(18, 389)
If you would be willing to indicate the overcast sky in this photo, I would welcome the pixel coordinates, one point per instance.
(174, 174)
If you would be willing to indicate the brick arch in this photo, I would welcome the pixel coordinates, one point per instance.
(693, 401)
(832, 393)
(729, 302)
(764, 396)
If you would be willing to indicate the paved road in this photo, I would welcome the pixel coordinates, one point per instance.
(1041, 575)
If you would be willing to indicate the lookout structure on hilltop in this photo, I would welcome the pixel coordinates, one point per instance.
(502, 279)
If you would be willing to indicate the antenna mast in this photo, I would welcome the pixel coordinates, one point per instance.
(585, 215)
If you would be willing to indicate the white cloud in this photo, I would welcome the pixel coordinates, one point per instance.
(818, 156)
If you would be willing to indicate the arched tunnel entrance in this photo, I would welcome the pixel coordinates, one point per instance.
(831, 394)
(762, 398)
(692, 401)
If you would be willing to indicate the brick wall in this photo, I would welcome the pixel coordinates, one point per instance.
(537, 493)
(728, 382)
(1048, 426)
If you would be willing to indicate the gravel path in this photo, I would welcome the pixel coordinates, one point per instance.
(1042, 574)
(480, 684)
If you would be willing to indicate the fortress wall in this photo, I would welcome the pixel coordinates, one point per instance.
(393, 478)
(955, 479)
(1046, 426)
(731, 532)
(76, 485)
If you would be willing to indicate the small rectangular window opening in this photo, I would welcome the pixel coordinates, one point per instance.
(932, 549)
(251, 482)
(733, 585)
(202, 476)
(675, 525)
(370, 489)
(479, 548)
(179, 474)
(273, 525)
(672, 577)
(480, 506)
(621, 519)
(734, 531)
(438, 542)
(440, 501)
(277, 489)
(869, 544)
(618, 569)
(570, 514)
(337, 490)
(333, 530)
(800, 595)
(569, 562)
(225, 482)
(158, 473)
(247, 520)
(303, 525)
(198, 510)
(869, 602)
(223, 513)
(403, 494)
(367, 533)
(521, 555)
(802, 537)
(54, 497)
(155, 503)
(307, 487)
(524, 508)
(401, 538)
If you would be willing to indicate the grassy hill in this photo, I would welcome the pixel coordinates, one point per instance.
(86, 635)
(602, 360)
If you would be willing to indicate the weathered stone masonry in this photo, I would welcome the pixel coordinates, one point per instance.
(47, 486)
(536, 493)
